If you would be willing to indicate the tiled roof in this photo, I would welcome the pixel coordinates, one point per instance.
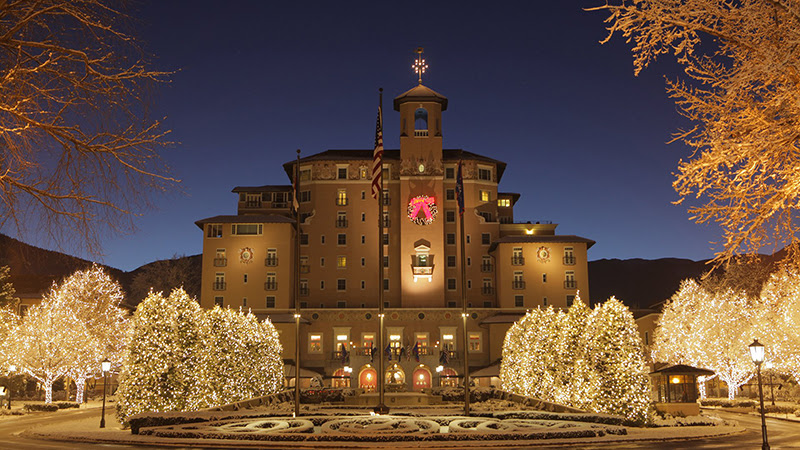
(265, 188)
(245, 218)
(525, 238)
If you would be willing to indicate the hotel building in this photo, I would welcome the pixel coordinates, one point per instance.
(249, 259)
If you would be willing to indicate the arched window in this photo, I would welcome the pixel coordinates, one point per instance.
(368, 379)
(448, 377)
(340, 379)
(421, 122)
(422, 378)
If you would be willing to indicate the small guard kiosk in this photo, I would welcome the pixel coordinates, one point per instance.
(675, 389)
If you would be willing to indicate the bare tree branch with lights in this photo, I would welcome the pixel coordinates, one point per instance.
(79, 154)
(740, 85)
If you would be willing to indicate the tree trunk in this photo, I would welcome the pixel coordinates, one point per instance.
(48, 390)
(80, 387)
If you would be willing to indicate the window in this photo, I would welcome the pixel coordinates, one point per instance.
(385, 239)
(451, 260)
(322, 285)
(484, 174)
(386, 199)
(214, 230)
(341, 173)
(244, 302)
(253, 200)
(386, 222)
(322, 262)
(363, 239)
(569, 256)
(504, 202)
(315, 343)
(341, 304)
(304, 216)
(469, 284)
(519, 301)
(305, 174)
(646, 338)
(544, 278)
(486, 264)
(450, 194)
(451, 239)
(220, 260)
(475, 341)
(544, 301)
(363, 173)
(487, 288)
(363, 262)
(468, 239)
(270, 301)
(341, 284)
(341, 261)
(341, 219)
(450, 216)
(451, 284)
(569, 280)
(304, 287)
(386, 288)
(219, 301)
(219, 281)
(469, 260)
(450, 173)
(247, 229)
(519, 282)
(487, 216)
(516, 257)
(488, 304)
(245, 278)
(272, 282)
(385, 261)
(303, 238)
(341, 197)
(272, 257)
(486, 238)
(485, 196)
(322, 239)
(363, 195)
(363, 217)
(341, 239)
(363, 285)
(303, 304)
(305, 196)
(570, 299)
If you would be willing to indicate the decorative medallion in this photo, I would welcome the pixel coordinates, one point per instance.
(543, 254)
(246, 255)
(422, 210)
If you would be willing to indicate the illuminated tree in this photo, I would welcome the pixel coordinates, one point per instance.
(9, 321)
(709, 330)
(620, 380)
(92, 298)
(243, 357)
(740, 91)
(781, 320)
(7, 291)
(574, 384)
(79, 152)
(162, 369)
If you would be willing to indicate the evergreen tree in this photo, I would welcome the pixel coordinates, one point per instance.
(620, 383)
(9, 321)
(162, 369)
(573, 352)
(530, 363)
(7, 291)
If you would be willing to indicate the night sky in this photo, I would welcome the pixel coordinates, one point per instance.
(528, 83)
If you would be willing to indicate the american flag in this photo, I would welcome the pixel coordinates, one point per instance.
(460, 190)
(377, 158)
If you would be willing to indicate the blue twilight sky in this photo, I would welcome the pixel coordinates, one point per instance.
(528, 84)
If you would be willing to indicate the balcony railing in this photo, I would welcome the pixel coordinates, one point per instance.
(569, 260)
(219, 285)
(305, 268)
(487, 290)
(271, 261)
(387, 200)
(280, 204)
(487, 267)
(517, 261)
(271, 286)
(518, 284)
(303, 291)
(341, 223)
(252, 204)
(569, 284)
(341, 201)
(420, 133)
(422, 270)
(386, 222)
(220, 262)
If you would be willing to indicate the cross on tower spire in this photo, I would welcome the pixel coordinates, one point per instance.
(419, 65)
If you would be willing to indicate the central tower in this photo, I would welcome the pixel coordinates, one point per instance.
(421, 195)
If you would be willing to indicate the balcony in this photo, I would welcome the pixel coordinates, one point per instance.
(341, 201)
(271, 285)
(569, 284)
(420, 133)
(271, 261)
(386, 222)
(487, 290)
(487, 267)
(280, 204)
(422, 271)
(517, 284)
(252, 204)
(303, 291)
(220, 262)
(569, 260)
(517, 261)
(305, 268)
(219, 285)
(387, 200)
(341, 223)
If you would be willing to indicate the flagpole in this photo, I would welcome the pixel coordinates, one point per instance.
(296, 202)
(464, 313)
(378, 171)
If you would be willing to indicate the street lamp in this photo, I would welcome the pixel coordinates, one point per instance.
(768, 366)
(11, 369)
(439, 370)
(757, 355)
(106, 366)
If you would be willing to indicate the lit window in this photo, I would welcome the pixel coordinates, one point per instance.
(504, 202)
(485, 196)
(341, 197)
(341, 262)
(218, 301)
(215, 230)
(315, 343)
(475, 342)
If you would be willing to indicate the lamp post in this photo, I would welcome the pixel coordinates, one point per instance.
(106, 366)
(11, 369)
(768, 366)
(757, 355)
(439, 370)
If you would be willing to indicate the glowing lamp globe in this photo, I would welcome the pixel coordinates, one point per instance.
(757, 352)
(106, 365)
